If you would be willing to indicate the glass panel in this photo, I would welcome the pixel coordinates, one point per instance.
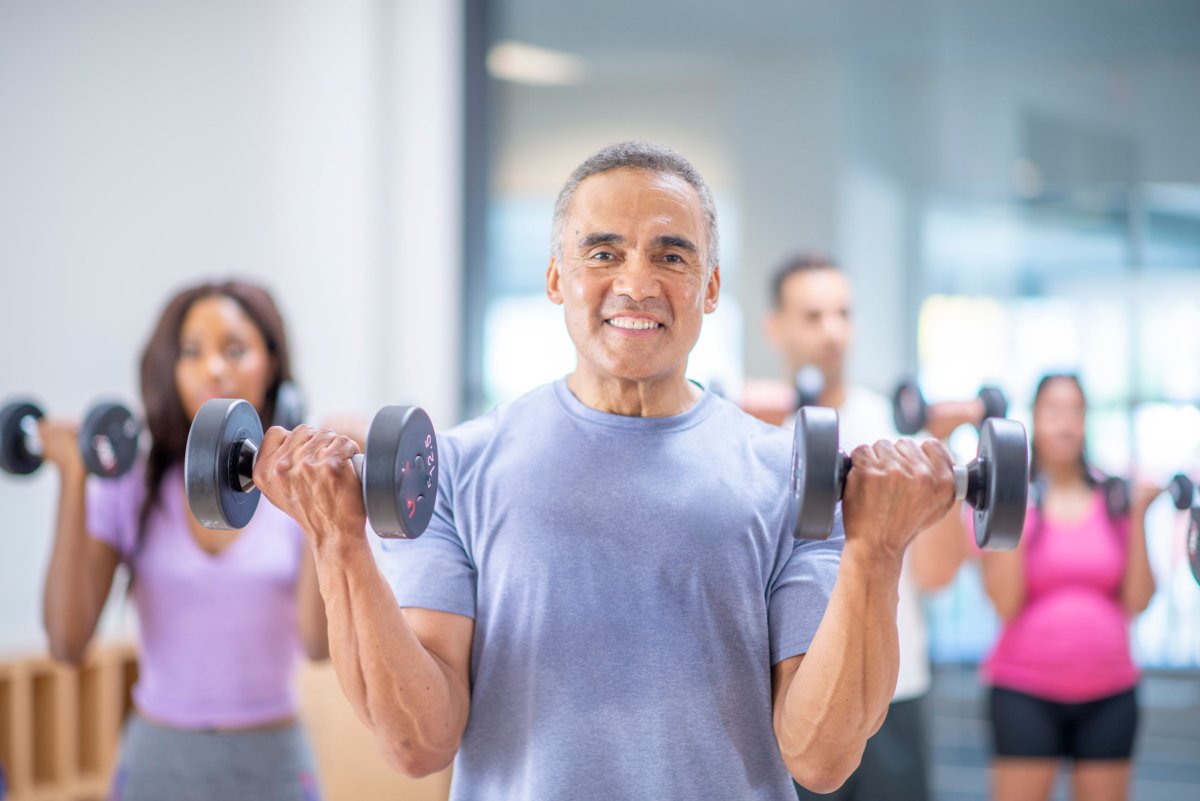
(1172, 226)
(1013, 343)
(1169, 340)
(1009, 246)
(525, 345)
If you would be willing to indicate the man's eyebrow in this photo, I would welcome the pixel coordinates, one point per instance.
(601, 238)
(672, 241)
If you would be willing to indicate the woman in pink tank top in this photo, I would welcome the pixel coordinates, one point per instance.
(1063, 682)
(223, 617)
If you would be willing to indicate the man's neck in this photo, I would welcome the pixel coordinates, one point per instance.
(661, 397)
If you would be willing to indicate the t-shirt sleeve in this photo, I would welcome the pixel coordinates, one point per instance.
(435, 570)
(797, 598)
(112, 510)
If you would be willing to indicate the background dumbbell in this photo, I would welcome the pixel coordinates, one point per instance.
(995, 483)
(1118, 494)
(289, 406)
(1183, 494)
(1182, 491)
(108, 438)
(910, 411)
(398, 471)
(810, 383)
(1193, 543)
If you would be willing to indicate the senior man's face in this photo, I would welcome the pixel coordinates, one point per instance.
(634, 279)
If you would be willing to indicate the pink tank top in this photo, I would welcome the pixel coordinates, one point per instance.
(219, 634)
(1070, 641)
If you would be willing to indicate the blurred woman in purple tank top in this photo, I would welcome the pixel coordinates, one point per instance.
(224, 617)
(1063, 682)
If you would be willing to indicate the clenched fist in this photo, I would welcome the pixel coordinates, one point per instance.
(60, 446)
(895, 491)
(307, 474)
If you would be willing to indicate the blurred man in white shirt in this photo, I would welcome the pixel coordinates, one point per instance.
(811, 324)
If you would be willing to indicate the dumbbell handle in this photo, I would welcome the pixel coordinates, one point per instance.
(247, 457)
(968, 479)
(33, 437)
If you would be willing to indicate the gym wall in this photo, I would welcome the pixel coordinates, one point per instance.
(150, 146)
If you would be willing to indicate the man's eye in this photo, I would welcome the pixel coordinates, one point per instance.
(602, 255)
(673, 258)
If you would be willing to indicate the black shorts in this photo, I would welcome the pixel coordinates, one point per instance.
(1027, 727)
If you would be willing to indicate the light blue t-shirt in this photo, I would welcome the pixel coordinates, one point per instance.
(632, 582)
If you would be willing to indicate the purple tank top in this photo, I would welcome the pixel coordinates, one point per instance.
(219, 635)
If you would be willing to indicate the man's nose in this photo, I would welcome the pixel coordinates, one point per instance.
(636, 279)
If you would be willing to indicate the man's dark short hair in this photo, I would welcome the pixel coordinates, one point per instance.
(795, 265)
(641, 156)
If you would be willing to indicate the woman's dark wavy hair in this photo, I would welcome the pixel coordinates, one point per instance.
(1089, 474)
(166, 419)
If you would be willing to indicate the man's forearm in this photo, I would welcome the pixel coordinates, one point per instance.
(400, 690)
(840, 693)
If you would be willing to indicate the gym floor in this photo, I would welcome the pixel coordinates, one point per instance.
(1168, 750)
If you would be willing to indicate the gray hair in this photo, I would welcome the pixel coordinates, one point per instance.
(642, 156)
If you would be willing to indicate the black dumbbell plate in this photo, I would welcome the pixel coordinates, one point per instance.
(1193, 544)
(994, 402)
(908, 408)
(1181, 490)
(999, 520)
(400, 472)
(15, 458)
(115, 423)
(814, 486)
(210, 463)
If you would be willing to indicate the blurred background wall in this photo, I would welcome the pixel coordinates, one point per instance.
(312, 146)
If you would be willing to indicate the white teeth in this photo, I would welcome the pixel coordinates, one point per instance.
(633, 323)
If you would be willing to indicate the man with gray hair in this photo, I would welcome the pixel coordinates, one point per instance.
(608, 602)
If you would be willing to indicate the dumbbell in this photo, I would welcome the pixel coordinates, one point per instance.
(398, 471)
(910, 411)
(1182, 491)
(810, 383)
(289, 406)
(108, 438)
(995, 483)
(1193, 543)
(1118, 494)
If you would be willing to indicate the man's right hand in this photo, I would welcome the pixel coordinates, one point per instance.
(894, 492)
(307, 474)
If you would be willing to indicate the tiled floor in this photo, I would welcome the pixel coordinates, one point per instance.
(1168, 751)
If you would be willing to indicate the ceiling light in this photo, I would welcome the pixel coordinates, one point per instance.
(539, 66)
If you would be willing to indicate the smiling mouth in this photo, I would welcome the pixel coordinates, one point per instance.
(633, 323)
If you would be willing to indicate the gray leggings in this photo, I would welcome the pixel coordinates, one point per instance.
(158, 762)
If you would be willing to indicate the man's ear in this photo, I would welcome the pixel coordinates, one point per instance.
(712, 291)
(553, 291)
(772, 328)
